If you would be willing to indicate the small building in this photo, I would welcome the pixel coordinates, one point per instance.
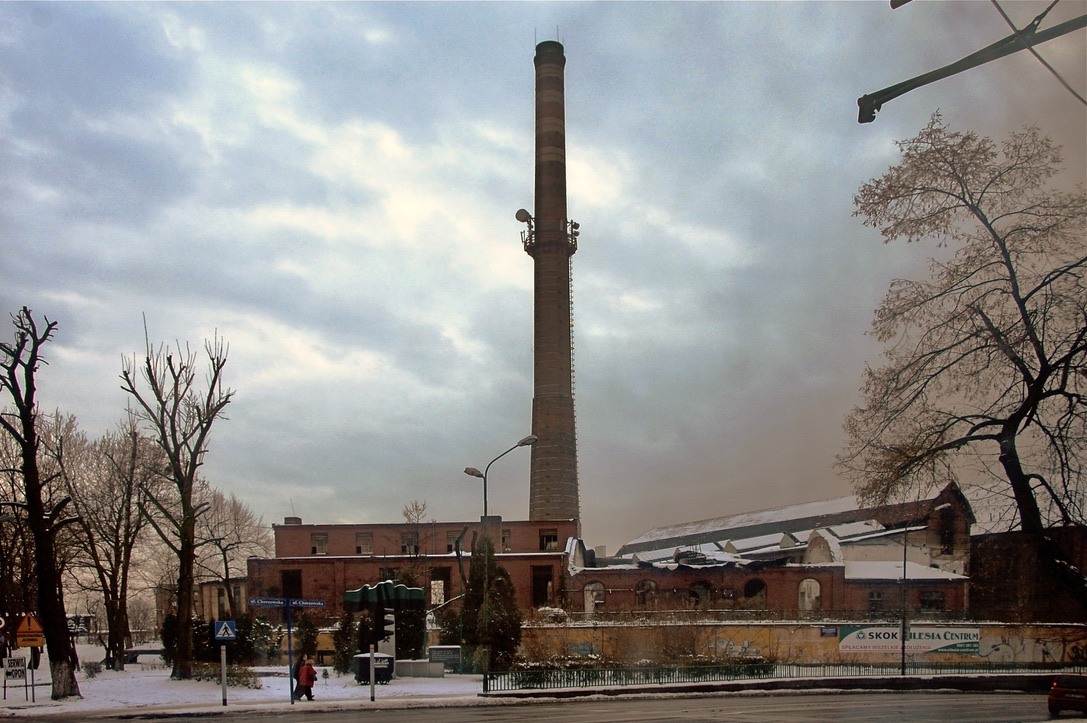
(211, 601)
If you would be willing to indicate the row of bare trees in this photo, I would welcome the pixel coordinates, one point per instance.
(97, 515)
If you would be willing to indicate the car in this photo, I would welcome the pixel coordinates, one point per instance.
(1068, 692)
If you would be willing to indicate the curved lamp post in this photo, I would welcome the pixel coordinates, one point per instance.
(473, 472)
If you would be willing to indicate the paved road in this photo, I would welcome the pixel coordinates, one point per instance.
(919, 707)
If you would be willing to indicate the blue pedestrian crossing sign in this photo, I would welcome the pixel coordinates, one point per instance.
(224, 630)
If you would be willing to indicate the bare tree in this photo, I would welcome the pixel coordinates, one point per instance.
(989, 355)
(18, 585)
(180, 416)
(108, 484)
(44, 518)
(232, 532)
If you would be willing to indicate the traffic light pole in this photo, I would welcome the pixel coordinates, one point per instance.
(372, 646)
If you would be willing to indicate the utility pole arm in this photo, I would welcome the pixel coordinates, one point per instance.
(1021, 40)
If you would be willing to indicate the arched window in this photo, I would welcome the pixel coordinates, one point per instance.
(808, 597)
(646, 594)
(755, 593)
(699, 593)
(594, 596)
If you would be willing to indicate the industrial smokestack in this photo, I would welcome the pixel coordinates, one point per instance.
(551, 240)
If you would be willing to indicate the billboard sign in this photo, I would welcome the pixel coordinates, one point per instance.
(919, 639)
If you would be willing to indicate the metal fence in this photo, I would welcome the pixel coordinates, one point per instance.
(545, 679)
(747, 615)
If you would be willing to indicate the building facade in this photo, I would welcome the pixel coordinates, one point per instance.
(833, 557)
(322, 561)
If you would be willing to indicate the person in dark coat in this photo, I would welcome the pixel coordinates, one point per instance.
(295, 673)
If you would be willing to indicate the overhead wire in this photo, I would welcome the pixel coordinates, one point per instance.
(1033, 25)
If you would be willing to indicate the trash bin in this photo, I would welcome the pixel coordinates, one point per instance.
(383, 667)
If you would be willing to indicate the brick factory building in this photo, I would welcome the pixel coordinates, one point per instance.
(823, 558)
(322, 561)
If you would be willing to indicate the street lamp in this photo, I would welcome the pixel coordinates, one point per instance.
(473, 472)
(905, 599)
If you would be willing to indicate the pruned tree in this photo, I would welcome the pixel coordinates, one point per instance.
(45, 517)
(490, 618)
(229, 533)
(180, 416)
(18, 585)
(108, 482)
(987, 358)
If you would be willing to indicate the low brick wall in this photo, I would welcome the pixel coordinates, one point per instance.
(800, 641)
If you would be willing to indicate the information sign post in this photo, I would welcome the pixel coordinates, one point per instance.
(224, 632)
(287, 604)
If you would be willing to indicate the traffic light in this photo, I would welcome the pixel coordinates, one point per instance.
(384, 624)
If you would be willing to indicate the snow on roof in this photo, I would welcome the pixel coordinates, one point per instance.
(666, 553)
(833, 545)
(889, 570)
(792, 519)
(750, 519)
(753, 543)
(852, 529)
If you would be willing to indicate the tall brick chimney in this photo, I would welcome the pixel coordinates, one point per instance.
(551, 240)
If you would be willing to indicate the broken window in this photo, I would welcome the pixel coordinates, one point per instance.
(700, 593)
(291, 582)
(646, 593)
(549, 540)
(594, 596)
(932, 600)
(364, 543)
(808, 598)
(755, 593)
(318, 543)
(542, 576)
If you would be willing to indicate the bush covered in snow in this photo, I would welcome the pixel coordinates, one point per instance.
(237, 676)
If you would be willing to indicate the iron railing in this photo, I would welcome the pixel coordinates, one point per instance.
(750, 614)
(546, 679)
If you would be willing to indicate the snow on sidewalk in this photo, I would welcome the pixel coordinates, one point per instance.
(149, 688)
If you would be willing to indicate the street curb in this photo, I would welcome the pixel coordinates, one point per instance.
(1032, 683)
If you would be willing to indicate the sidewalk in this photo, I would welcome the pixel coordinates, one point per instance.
(150, 690)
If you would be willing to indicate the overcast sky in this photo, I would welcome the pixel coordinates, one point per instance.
(331, 188)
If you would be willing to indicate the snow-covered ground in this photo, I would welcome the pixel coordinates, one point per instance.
(148, 687)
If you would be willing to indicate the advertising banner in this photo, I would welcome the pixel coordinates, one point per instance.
(919, 639)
